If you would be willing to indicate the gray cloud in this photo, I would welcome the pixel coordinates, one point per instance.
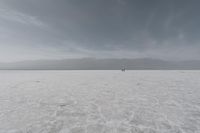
(35, 29)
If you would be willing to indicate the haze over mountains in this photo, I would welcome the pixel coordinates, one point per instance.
(101, 64)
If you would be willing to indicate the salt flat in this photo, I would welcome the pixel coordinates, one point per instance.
(100, 102)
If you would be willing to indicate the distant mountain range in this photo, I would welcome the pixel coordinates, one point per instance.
(102, 64)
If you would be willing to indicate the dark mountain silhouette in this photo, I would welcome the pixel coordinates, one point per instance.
(101, 64)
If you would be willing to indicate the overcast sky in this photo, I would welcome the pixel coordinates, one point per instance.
(57, 29)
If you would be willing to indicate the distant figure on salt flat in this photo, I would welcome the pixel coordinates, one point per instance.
(123, 69)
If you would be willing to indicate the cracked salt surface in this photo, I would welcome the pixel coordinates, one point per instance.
(99, 102)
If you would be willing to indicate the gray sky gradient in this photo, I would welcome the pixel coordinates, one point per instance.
(58, 29)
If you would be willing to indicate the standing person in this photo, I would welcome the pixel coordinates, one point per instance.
(123, 69)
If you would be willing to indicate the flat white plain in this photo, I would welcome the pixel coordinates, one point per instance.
(100, 102)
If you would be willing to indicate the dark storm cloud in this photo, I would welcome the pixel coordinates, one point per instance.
(102, 28)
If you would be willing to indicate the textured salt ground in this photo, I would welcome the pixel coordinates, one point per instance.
(100, 102)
